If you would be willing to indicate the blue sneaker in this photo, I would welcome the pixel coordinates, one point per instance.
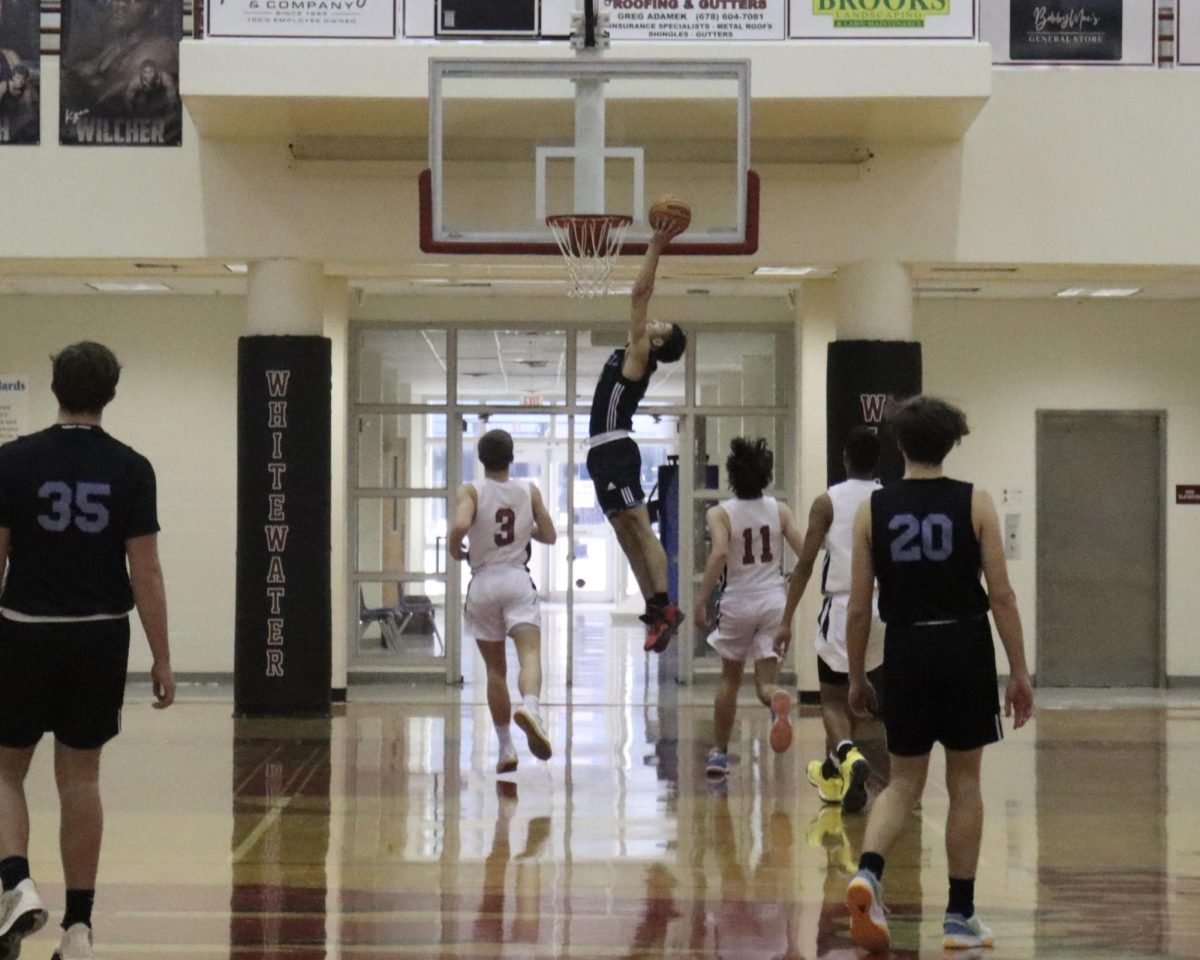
(868, 925)
(717, 764)
(963, 934)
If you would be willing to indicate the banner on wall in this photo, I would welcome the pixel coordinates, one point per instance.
(14, 406)
(317, 19)
(120, 73)
(20, 71)
(1187, 33)
(1107, 32)
(884, 19)
(861, 376)
(696, 19)
(282, 624)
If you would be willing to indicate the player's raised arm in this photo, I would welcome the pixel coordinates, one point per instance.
(544, 531)
(464, 516)
(637, 356)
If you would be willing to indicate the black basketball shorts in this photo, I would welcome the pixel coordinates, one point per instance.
(616, 470)
(941, 687)
(66, 678)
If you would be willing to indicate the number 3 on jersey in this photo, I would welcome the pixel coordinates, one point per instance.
(507, 521)
(748, 543)
(89, 515)
(935, 532)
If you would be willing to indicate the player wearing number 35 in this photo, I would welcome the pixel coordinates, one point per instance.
(927, 538)
(76, 506)
(748, 533)
(498, 516)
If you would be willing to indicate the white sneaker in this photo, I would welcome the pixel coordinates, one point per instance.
(531, 724)
(21, 914)
(506, 764)
(868, 922)
(76, 944)
(961, 933)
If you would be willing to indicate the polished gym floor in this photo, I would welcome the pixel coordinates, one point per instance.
(384, 832)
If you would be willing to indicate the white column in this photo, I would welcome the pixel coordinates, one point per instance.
(285, 297)
(335, 308)
(817, 326)
(874, 301)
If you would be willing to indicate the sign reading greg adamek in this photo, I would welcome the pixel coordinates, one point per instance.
(884, 19)
(696, 19)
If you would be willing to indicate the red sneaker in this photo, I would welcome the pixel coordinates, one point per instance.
(665, 625)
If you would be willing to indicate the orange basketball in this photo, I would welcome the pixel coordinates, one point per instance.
(670, 214)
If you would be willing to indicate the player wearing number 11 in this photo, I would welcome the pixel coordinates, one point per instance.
(76, 505)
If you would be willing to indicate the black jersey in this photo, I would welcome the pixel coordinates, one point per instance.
(70, 497)
(617, 397)
(926, 553)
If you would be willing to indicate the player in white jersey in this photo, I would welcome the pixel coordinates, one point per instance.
(748, 533)
(499, 516)
(842, 776)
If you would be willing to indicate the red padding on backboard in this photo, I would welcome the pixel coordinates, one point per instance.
(550, 248)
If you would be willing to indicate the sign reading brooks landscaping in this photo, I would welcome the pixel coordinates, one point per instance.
(1065, 29)
(893, 19)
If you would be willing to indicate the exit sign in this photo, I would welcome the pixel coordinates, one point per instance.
(1188, 493)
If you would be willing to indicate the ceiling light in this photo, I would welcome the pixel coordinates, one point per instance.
(126, 287)
(1116, 292)
(1072, 292)
(785, 271)
(237, 268)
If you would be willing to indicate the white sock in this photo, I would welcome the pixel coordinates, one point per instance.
(504, 735)
(532, 704)
(838, 749)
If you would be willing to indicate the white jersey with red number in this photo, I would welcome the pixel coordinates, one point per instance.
(755, 546)
(503, 524)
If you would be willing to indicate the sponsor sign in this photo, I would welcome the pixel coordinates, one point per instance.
(1108, 32)
(20, 71)
(120, 73)
(884, 19)
(1188, 493)
(1187, 33)
(696, 19)
(332, 19)
(14, 406)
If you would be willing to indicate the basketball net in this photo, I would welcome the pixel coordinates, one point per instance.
(589, 243)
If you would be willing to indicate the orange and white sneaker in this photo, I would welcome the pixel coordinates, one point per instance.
(961, 933)
(664, 625)
(531, 725)
(868, 924)
(781, 716)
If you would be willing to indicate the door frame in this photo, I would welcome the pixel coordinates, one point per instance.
(1160, 418)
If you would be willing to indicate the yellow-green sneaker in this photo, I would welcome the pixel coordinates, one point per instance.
(829, 789)
(855, 772)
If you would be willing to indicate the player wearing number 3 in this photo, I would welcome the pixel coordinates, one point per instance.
(748, 533)
(75, 507)
(499, 516)
(927, 538)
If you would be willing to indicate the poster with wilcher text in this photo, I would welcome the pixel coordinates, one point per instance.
(120, 73)
(20, 71)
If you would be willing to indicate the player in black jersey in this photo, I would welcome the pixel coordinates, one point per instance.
(926, 538)
(614, 462)
(76, 506)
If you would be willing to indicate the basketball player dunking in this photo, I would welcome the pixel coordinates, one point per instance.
(499, 516)
(614, 461)
(926, 538)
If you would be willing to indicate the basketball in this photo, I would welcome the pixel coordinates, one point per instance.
(670, 214)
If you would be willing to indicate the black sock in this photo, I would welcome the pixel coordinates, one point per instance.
(962, 897)
(844, 749)
(657, 602)
(872, 862)
(79, 908)
(13, 870)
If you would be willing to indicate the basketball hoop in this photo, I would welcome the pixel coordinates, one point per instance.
(589, 243)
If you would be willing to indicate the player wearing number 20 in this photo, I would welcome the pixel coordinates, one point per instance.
(499, 516)
(76, 506)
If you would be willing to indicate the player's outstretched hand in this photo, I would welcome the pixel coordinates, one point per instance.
(164, 685)
(862, 700)
(783, 639)
(1018, 700)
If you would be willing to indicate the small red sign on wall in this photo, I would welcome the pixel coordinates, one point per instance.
(1188, 493)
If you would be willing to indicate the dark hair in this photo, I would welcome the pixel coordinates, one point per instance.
(85, 377)
(862, 450)
(750, 464)
(20, 70)
(673, 345)
(926, 428)
(495, 449)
